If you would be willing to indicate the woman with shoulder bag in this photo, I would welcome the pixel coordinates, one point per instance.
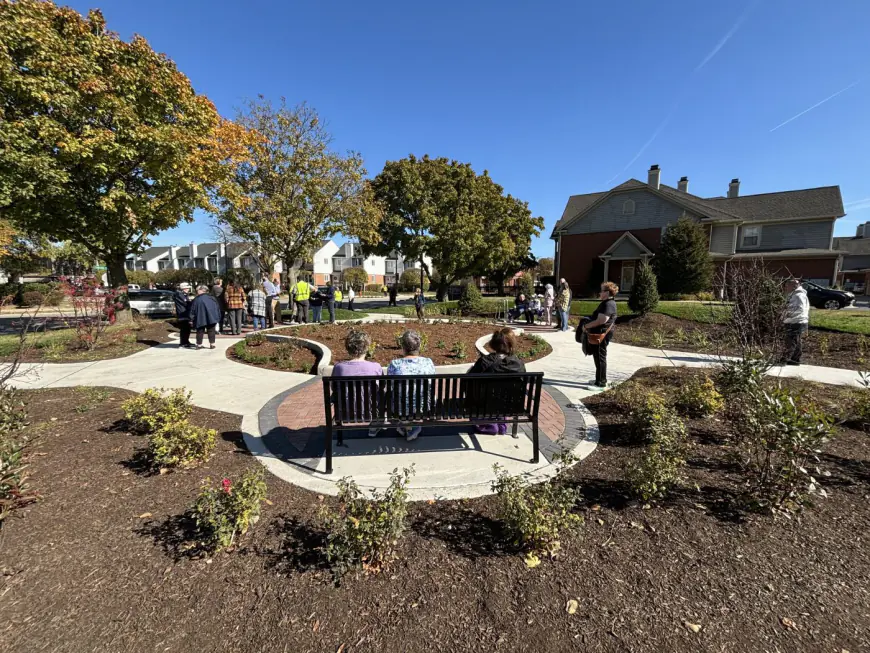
(598, 331)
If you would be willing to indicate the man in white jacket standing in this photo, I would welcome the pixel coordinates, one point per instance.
(796, 321)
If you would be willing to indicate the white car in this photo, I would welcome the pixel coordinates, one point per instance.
(153, 303)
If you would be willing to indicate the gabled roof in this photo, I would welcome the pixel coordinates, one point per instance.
(823, 202)
(632, 239)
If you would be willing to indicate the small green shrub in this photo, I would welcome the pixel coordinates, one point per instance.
(227, 511)
(644, 295)
(254, 340)
(372, 350)
(861, 344)
(54, 298)
(657, 339)
(778, 434)
(440, 344)
(698, 398)
(459, 350)
(646, 411)
(283, 355)
(739, 376)
(13, 415)
(470, 300)
(704, 296)
(365, 533)
(155, 408)
(32, 298)
(181, 444)
(91, 398)
(535, 515)
(824, 346)
(14, 490)
(660, 467)
(680, 335)
(53, 350)
(698, 338)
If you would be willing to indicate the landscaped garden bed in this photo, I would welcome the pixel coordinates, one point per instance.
(69, 345)
(110, 541)
(820, 346)
(284, 356)
(445, 343)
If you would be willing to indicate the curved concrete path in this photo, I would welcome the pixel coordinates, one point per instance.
(218, 383)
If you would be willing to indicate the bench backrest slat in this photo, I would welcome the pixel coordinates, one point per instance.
(363, 400)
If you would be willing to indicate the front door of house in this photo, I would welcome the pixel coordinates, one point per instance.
(627, 276)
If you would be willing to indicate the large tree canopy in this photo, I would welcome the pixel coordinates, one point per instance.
(463, 221)
(298, 191)
(105, 143)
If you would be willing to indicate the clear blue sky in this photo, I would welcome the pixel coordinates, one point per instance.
(552, 98)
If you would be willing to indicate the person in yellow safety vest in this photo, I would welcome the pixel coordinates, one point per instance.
(339, 297)
(301, 295)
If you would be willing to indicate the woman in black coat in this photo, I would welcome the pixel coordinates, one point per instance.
(205, 313)
(182, 313)
(501, 361)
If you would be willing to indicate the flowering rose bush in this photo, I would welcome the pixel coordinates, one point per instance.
(226, 512)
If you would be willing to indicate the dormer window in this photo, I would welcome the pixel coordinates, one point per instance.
(628, 207)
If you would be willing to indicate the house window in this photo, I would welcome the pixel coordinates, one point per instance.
(212, 264)
(628, 207)
(751, 237)
(163, 264)
(326, 261)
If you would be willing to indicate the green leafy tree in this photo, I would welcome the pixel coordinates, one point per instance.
(299, 192)
(105, 142)
(545, 267)
(526, 284)
(410, 279)
(470, 301)
(357, 278)
(445, 210)
(644, 295)
(683, 263)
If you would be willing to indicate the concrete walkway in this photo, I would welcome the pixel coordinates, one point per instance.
(221, 384)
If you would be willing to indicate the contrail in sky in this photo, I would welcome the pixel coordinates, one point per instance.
(818, 104)
(858, 205)
(664, 123)
(731, 32)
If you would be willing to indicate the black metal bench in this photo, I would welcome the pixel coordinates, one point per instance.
(356, 402)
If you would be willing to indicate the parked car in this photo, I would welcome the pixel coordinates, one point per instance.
(153, 303)
(133, 286)
(828, 298)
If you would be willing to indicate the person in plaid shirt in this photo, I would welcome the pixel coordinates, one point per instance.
(234, 297)
(257, 308)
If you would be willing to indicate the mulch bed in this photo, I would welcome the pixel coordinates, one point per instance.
(303, 360)
(442, 338)
(820, 347)
(117, 343)
(98, 564)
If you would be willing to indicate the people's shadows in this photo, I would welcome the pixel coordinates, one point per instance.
(465, 532)
(176, 535)
(238, 439)
(118, 426)
(303, 546)
(844, 471)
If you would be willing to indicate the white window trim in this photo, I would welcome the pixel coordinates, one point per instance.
(757, 229)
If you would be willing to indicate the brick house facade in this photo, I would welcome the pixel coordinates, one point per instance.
(606, 235)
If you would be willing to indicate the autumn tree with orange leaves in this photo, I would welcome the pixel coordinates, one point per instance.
(104, 142)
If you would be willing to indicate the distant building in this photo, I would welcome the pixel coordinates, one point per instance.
(610, 232)
(214, 257)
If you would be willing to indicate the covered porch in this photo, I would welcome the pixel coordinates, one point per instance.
(622, 258)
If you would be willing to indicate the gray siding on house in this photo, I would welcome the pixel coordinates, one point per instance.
(790, 235)
(650, 212)
(722, 239)
(626, 249)
(858, 262)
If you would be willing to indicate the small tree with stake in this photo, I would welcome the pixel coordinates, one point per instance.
(644, 296)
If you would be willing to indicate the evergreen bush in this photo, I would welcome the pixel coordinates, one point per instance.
(644, 295)
(470, 300)
(683, 263)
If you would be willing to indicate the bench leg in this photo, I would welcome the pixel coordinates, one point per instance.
(515, 429)
(536, 456)
(329, 449)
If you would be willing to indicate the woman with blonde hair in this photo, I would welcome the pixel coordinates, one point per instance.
(598, 330)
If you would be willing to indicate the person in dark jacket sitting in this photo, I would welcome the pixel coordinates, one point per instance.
(182, 313)
(501, 361)
(204, 316)
(521, 306)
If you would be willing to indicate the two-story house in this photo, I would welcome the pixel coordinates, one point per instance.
(607, 234)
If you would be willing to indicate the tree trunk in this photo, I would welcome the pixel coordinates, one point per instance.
(117, 279)
(441, 292)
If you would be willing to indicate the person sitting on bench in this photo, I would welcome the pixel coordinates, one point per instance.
(501, 361)
(411, 363)
(521, 305)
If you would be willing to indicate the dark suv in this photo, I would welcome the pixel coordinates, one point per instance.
(827, 297)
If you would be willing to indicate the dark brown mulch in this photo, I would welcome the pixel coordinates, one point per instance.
(442, 337)
(820, 346)
(303, 360)
(99, 564)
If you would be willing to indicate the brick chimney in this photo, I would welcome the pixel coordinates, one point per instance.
(734, 188)
(683, 185)
(655, 176)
